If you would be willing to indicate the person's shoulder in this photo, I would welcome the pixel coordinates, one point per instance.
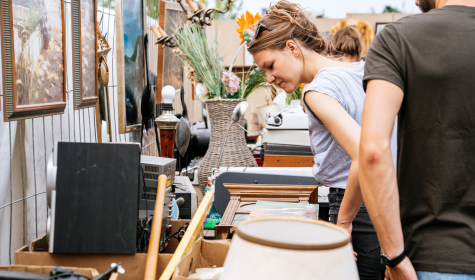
(325, 79)
(327, 76)
(414, 24)
(339, 74)
(335, 79)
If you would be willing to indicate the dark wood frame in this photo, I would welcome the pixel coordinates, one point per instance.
(242, 194)
(11, 112)
(79, 101)
(162, 12)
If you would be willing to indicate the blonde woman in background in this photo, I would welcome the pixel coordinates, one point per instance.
(348, 44)
(349, 47)
(366, 31)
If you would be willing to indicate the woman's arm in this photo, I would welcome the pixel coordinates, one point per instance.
(347, 133)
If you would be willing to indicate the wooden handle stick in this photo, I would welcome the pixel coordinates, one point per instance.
(201, 5)
(155, 31)
(191, 233)
(154, 245)
(192, 5)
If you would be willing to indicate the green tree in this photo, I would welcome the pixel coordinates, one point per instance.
(389, 9)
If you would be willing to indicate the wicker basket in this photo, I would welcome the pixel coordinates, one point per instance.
(236, 152)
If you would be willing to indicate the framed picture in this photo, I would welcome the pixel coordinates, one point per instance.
(380, 26)
(33, 58)
(170, 18)
(84, 53)
(129, 21)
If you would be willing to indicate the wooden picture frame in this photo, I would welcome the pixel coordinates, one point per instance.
(244, 196)
(33, 59)
(84, 53)
(130, 56)
(169, 65)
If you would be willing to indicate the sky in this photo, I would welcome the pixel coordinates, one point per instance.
(338, 8)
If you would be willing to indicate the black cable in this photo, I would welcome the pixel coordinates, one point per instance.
(145, 224)
(144, 236)
(180, 232)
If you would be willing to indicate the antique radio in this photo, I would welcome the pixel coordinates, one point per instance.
(186, 197)
(156, 166)
(153, 167)
(147, 199)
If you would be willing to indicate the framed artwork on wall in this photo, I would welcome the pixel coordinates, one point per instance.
(84, 53)
(129, 19)
(171, 17)
(33, 58)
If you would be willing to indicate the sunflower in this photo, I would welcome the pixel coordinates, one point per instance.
(245, 23)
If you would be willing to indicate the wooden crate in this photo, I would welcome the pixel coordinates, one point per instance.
(288, 161)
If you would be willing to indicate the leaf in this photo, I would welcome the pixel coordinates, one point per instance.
(296, 95)
(215, 91)
(254, 80)
(203, 57)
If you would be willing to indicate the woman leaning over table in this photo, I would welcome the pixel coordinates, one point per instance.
(291, 50)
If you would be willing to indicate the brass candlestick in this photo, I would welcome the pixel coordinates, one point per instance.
(167, 123)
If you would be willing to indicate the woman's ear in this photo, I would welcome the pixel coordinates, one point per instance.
(292, 47)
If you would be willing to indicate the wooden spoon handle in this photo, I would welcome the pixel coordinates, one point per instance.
(154, 245)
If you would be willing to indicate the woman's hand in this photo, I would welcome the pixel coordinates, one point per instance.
(402, 271)
(348, 226)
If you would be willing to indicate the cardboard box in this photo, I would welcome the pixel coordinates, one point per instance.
(134, 264)
(203, 253)
(91, 272)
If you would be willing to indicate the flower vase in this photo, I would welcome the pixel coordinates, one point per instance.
(235, 153)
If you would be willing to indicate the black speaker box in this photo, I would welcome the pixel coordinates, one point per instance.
(96, 203)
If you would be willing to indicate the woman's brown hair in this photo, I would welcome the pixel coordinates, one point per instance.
(348, 41)
(290, 23)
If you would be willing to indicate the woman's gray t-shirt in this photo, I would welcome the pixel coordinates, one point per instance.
(332, 163)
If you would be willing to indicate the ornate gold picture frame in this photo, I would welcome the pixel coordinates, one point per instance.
(33, 58)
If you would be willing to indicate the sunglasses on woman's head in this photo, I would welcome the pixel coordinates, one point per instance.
(260, 28)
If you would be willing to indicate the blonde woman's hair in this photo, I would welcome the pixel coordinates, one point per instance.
(290, 23)
(348, 41)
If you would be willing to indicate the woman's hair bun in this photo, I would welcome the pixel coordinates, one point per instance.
(289, 22)
(286, 10)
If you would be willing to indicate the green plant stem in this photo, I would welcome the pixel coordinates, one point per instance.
(202, 57)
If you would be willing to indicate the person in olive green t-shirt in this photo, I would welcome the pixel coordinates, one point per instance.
(422, 68)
